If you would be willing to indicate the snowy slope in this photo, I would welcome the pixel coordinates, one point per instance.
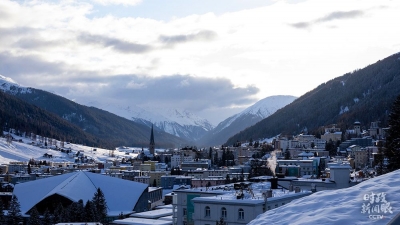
(261, 109)
(343, 206)
(248, 117)
(180, 123)
(10, 86)
(24, 151)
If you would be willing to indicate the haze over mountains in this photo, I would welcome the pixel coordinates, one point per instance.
(365, 95)
(103, 128)
(181, 123)
(248, 117)
(191, 127)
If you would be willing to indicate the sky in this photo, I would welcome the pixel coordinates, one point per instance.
(213, 58)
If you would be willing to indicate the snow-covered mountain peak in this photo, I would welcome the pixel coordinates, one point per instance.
(267, 106)
(263, 108)
(181, 123)
(9, 85)
(186, 118)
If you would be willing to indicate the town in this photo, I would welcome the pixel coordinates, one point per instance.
(187, 185)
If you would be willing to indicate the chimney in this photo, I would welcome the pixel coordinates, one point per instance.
(274, 182)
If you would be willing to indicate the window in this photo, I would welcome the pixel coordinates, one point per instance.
(207, 211)
(223, 212)
(241, 214)
(184, 211)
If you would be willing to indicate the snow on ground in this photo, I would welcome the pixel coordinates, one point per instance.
(343, 206)
(24, 151)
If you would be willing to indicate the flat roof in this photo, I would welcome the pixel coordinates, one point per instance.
(164, 206)
(141, 221)
(152, 214)
(166, 218)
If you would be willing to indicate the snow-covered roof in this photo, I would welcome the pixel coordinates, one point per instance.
(121, 195)
(153, 214)
(140, 221)
(342, 206)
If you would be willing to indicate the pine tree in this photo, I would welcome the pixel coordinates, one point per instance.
(47, 220)
(90, 211)
(14, 212)
(58, 214)
(392, 150)
(34, 218)
(100, 204)
(2, 217)
(72, 212)
(29, 169)
(80, 211)
(379, 162)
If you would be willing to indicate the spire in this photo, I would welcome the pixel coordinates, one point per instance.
(152, 136)
(152, 143)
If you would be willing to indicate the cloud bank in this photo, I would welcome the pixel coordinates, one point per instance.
(212, 63)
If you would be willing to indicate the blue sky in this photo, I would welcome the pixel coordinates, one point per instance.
(213, 58)
(167, 10)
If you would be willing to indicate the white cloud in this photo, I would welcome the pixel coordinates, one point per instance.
(118, 2)
(60, 43)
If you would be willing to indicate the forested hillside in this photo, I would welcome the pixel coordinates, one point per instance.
(24, 117)
(103, 127)
(365, 95)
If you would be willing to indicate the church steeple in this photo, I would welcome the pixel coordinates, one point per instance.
(152, 143)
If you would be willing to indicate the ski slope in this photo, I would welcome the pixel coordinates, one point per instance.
(24, 151)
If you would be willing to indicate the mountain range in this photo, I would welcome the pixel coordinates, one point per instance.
(104, 128)
(187, 125)
(248, 117)
(180, 123)
(365, 95)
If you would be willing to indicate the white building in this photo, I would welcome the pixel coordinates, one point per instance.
(203, 206)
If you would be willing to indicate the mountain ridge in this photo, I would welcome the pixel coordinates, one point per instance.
(364, 95)
(181, 123)
(103, 125)
(248, 117)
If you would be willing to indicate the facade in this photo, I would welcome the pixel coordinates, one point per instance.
(306, 167)
(168, 181)
(194, 165)
(237, 211)
(156, 176)
(235, 206)
(209, 181)
(361, 158)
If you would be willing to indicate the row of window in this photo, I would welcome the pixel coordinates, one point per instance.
(223, 213)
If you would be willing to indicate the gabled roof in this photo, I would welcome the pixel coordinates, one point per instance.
(121, 195)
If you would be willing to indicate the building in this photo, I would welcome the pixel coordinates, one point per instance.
(169, 181)
(306, 167)
(152, 143)
(208, 181)
(122, 196)
(194, 165)
(235, 205)
(361, 158)
(332, 133)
